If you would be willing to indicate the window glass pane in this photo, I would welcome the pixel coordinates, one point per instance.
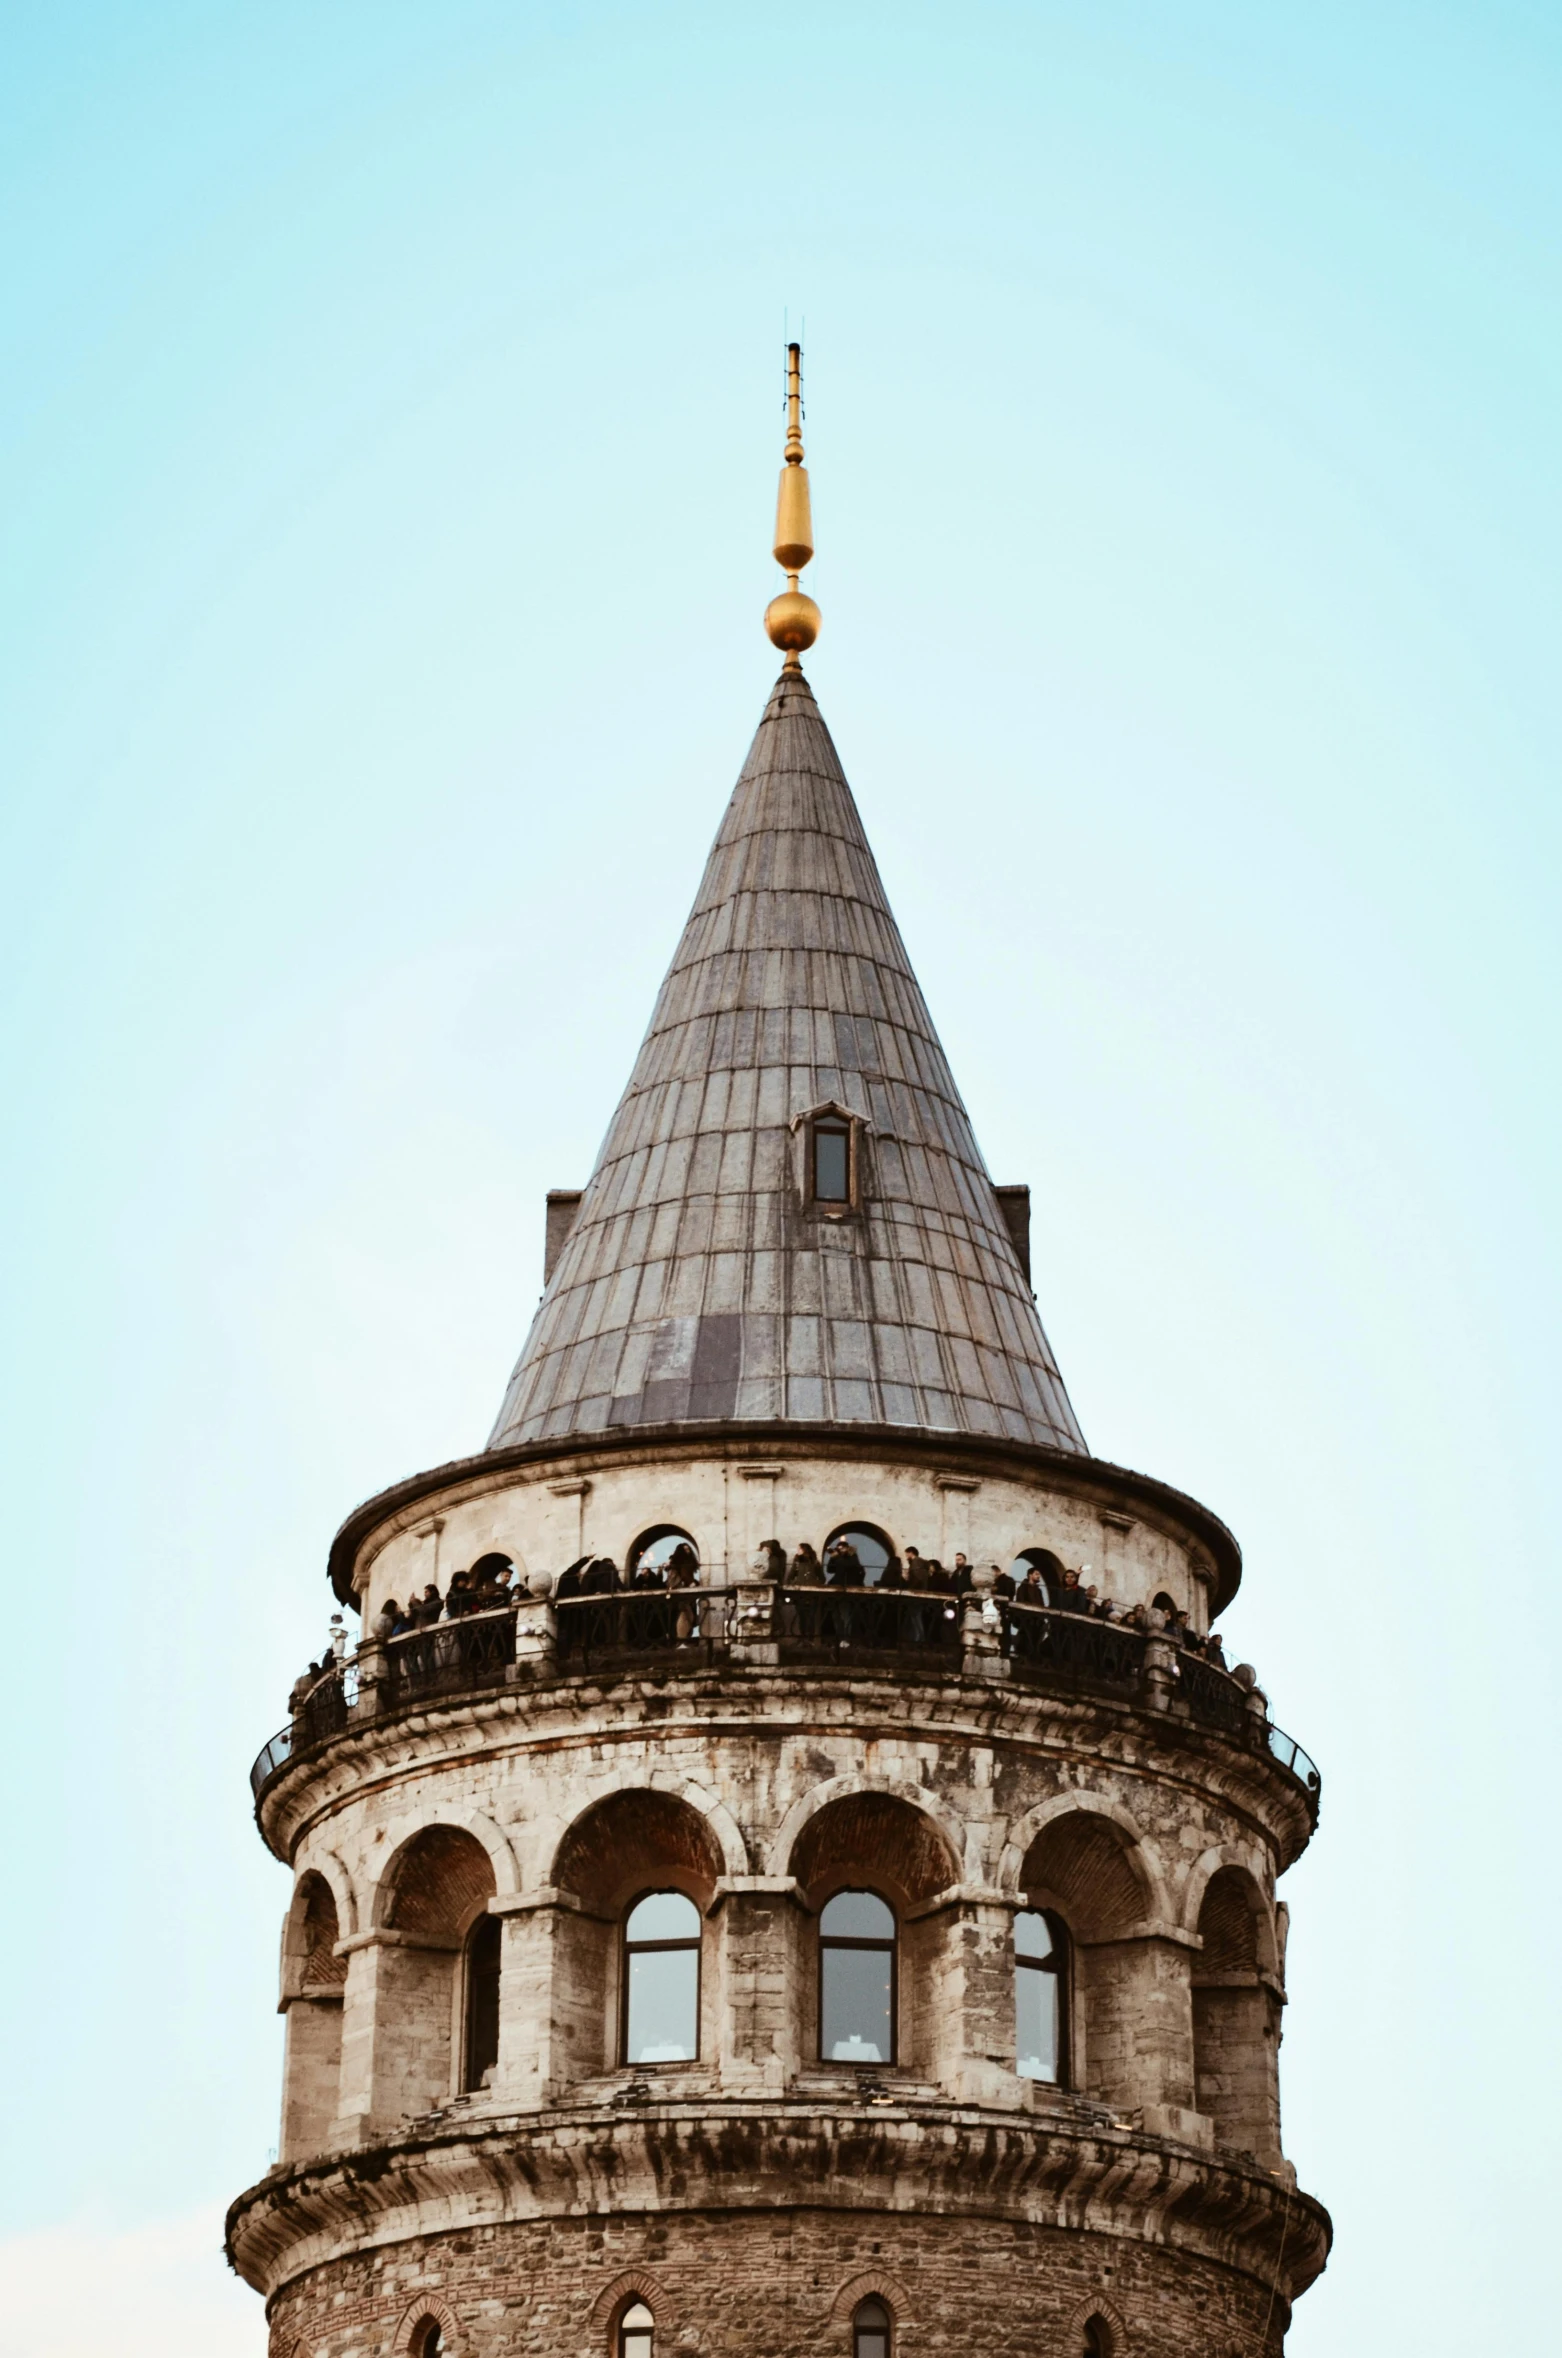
(855, 2005)
(664, 1915)
(872, 2313)
(1032, 1935)
(830, 1148)
(635, 2341)
(638, 2315)
(663, 2005)
(857, 1915)
(1036, 2010)
(872, 2342)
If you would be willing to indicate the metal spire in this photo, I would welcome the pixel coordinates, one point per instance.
(792, 619)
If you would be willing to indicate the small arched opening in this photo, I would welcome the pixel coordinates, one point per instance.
(657, 1553)
(1097, 2340)
(1236, 2022)
(1042, 1560)
(480, 2011)
(871, 1547)
(871, 2330)
(636, 2335)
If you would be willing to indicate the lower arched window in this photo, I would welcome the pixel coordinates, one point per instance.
(661, 1980)
(870, 2330)
(1098, 2339)
(636, 2332)
(1040, 1996)
(428, 2341)
(857, 1979)
(482, 2002)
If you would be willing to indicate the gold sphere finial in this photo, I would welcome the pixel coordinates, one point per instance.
(792, 619)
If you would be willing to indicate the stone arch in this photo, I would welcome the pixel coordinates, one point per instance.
(343, 1888)
(1228, 1857)
(427, 2310)
(633, 2284)
(311, 1931)
(889, 1843)
(483, 1831)
(631, 1840)
(1100, 1814)
(435, 1882)
(1236, 2017)
(871, 2284)
(547, 1836)
(1097, 2305)
(819, 1798)
(435, 1888)
(314, 1981)
(609, 1849)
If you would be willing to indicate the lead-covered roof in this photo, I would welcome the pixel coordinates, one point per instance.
(697, 1283)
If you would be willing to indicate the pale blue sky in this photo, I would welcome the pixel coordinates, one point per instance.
(390, 409)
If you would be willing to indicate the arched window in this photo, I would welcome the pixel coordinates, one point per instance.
(661, 1980)
(857, 1979)
(1098, 2339)
(1041, 1996)
(483, 1946)
(654, 1550)
(1045, 1562)
(870, 2330)
(636, 2332)
(870, 1544)
(428, 2341)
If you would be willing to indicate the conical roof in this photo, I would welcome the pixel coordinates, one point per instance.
(696, 1282)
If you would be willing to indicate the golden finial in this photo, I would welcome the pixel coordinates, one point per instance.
(792, 619)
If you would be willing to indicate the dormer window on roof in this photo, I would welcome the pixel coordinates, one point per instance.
(831, 1159)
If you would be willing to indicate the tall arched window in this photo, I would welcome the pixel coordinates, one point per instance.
(1041, 1996)
(636, 2332)
(870, 2330)
(483, 1947)
(857, 1979)
(1098, 2339)
(428, 2341)
(661, 1980)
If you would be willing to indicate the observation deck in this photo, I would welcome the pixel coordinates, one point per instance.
(658, 1635)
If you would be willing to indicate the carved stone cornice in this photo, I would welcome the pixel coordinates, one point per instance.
(928, 2158)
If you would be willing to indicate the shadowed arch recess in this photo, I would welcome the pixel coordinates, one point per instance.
(875, 1839)
(621, 1840)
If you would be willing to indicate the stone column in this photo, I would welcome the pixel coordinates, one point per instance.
(756, 1924)
(971, 1998)
(311, 2072)
(537, 1631)
(553, 1996)
(1137, 2002)
(398, 2028)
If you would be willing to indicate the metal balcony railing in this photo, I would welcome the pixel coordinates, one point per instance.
(671, 1629)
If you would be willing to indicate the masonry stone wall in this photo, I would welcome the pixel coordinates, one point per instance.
(548, 1516)
(725, 2285)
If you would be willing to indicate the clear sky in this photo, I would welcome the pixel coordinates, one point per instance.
(390, 407)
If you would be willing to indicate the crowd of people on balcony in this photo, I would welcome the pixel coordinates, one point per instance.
(890, 1598)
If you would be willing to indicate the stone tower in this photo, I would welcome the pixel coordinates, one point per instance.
(688, 1957)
